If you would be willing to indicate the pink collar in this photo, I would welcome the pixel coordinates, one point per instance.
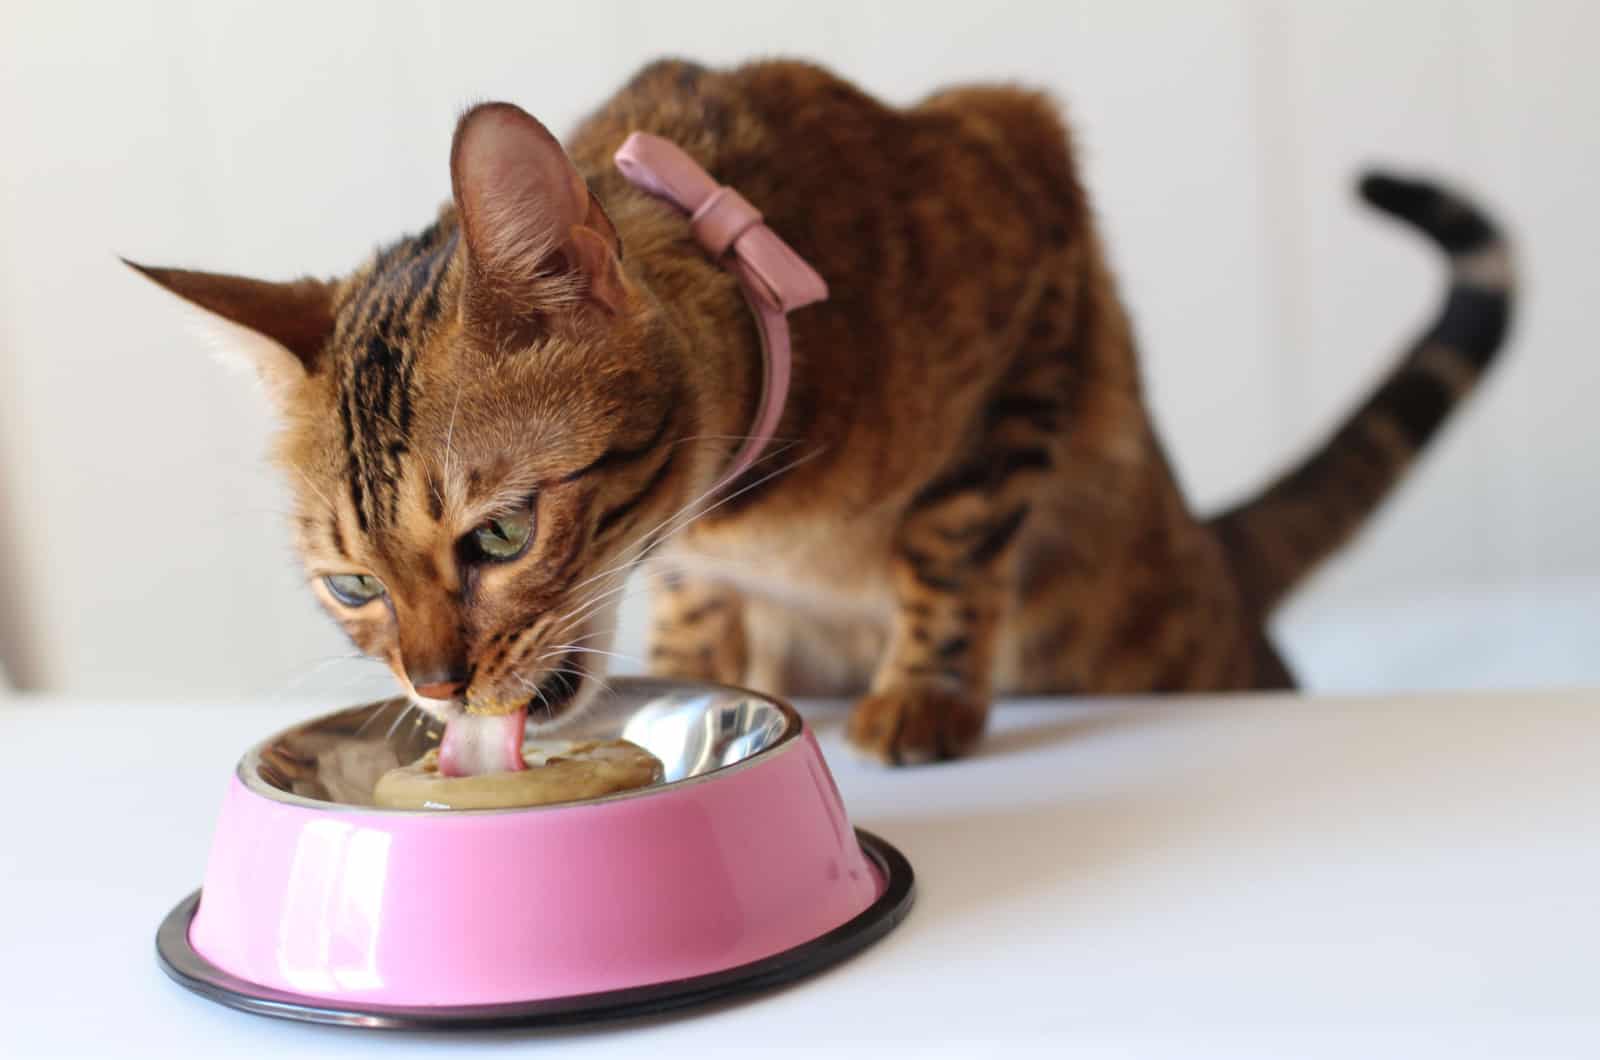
(774, 278)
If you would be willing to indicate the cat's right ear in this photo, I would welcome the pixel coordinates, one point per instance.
(279, 329)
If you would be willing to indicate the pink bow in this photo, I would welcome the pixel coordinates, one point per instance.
(775, 279)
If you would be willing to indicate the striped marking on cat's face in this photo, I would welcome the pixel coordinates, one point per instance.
(481, 426)
(468, 513)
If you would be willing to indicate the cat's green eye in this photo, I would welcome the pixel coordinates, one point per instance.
(353, 590)
(503, 538)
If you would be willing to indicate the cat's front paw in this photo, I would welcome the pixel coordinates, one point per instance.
(908, 725)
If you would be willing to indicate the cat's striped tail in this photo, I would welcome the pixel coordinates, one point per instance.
(1275, 538)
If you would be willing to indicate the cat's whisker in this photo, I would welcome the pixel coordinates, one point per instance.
(592, 634)
(738, 439)
(582, 674)
(317, 667)
(314, 488)
(375, 715)
(595, 603)
(538, 693)
(591, 674)
(572, 644)
(388, 737)
(632, 592)
(562, 649)
(682, 518)
(661, 528)
(449, 436)
(544, 703)
(358, 678)
(622, 591)
(621, 565)
(689, 511)
(590, 606)
(533, 686)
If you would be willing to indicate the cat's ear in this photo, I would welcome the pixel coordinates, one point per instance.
(537, 241)
(278, 329)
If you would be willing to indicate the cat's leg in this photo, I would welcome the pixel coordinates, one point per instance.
(696, 629)
(952, 580)
(802, 653)
(703, 630)
(770, 637)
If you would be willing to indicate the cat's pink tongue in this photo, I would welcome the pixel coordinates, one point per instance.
(475, 744)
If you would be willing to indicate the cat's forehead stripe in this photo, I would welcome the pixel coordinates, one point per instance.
(400, 289)
(385, 316)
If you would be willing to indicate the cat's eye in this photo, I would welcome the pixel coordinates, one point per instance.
(353, 590)
(502, 538)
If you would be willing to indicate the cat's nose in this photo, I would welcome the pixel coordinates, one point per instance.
(439, 684)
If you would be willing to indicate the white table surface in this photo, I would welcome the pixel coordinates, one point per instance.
(1233, 877)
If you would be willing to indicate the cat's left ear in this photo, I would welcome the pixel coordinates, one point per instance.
(538, 242)
(279, 329)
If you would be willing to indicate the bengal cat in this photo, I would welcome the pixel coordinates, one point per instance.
(491, 422)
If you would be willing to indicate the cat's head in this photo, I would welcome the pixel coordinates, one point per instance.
(479, 427)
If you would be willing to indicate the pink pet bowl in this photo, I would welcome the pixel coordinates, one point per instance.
(739, 873)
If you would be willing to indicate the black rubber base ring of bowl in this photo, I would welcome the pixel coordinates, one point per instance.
(187, 968)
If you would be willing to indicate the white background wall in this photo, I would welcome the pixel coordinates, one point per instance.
(142, 549)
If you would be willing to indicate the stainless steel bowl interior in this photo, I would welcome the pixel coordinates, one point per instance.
(694, 729)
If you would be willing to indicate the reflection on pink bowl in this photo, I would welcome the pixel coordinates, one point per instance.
(744, 853)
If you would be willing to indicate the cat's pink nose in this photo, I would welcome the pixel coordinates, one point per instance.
(439, 686)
